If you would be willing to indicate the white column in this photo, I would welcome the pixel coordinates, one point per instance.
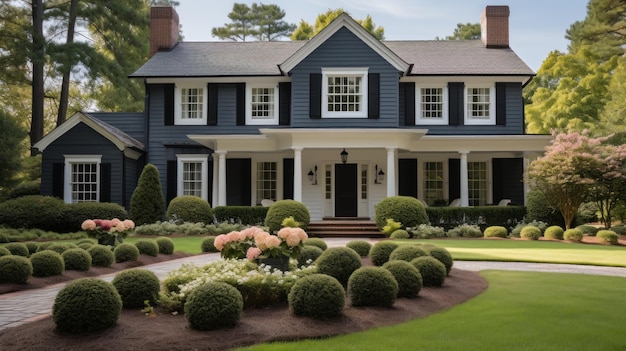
(221, 197)
(391, 171)
(215, 187)
(297, 174)
(464, 180)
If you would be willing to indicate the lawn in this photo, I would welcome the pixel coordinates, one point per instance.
(189, 244)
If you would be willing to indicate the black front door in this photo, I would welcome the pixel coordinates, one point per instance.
(346, 192)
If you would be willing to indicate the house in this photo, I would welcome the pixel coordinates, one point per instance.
(338, 122)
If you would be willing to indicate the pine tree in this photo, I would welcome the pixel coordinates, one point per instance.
(147, 205)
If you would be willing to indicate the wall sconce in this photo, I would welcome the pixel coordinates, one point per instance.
(344, 156)
(379, 175)
(313, 175)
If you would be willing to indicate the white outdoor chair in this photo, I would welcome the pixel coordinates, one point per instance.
(267, 202)
(455, 203)
(504, 202)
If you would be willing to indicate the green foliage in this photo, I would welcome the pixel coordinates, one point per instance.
(432, 270)
(338, 262)
(467, 31)
(484, 216)
(496, 232)
(309, 252)
(11, 146)
(425, 231)
(530, 232)
(32, 247)
(85, 246)
(32, 211)
(588, 229)
(101, 255)
(172, 227)
(607, 236)
(620, 229)
(136, 286)
(517, 230)
(166, 245)
(306, 31)
(442, 255)
(400, 234)
(407, 276)
(57, 247)
(361, 247)
(4, 251)
(539, 209)
(15, 269)
(380, 252)
(260, 21)
(465, 231)
(391, 227)
(404, 209)
(147, 204)
(407, 253)
(208, 244)
(18, 249)
(246, 215)
(29, 187)
(86, 304)
(316, 242)
(75, 214)
(318, 296)
(147, 247)
(47, 263)
(372, 286)
(286, 208)
(125, 252)
(188, 208)
(213, 305)
(573, 235)
(76, 259)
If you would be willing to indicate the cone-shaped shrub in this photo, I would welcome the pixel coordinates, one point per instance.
(214, 305)
(380, 252)
(372, 286)
(147, 204)
(338, 262)
(136, 286)
(317, 296)
(408, 277)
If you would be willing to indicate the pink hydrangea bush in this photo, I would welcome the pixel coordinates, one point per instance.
(254, 243)
(108, 231)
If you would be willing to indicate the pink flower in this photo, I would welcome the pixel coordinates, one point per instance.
(233, 236)
(88, 225)
(260, 239)
(129, 224)
(253, 253)
(248, 233)
(115, 222)
(272, 241)
(284, 232)
(293, 240)
(219, 242)
(105, 225)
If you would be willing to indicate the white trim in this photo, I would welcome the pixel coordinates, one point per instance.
(468, 120)
(361, 72)
(419, 120)
(261, 121)
(67, 174)
(182, 158)
(178, 117)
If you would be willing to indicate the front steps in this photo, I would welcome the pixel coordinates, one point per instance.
(344, 227)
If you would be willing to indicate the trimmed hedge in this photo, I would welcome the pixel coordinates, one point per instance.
(101, 256)
(47, 263)
(75, 214)
(166, 245)
(361, 247)
(125, 252)
(607, 236)
(307, 253)
(486, 216)
(147, 247)
(372, 286)
(443, 255)
(379, 253)
(554, 232)
(407, 253)
(76, 260)
(407, 210)
(188, 208)
(317, 295)
(33, 211)
(18, 249)
(282, 209)
(338, 262)
(530, 232)
(573, 235)
(136, 286)
(408, 277)
(433, 272)
(15, 269)
(316, 242)
(247, 215)
(496, 231)
(208, 244)
(213, 305)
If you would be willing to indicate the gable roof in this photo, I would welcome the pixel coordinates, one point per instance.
(130, 146)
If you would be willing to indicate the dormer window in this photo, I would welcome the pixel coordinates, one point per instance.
(190, 105)
(344, 93)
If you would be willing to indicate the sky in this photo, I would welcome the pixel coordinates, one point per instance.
(536, 27)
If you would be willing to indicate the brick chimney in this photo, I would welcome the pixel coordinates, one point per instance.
(494, 26)
(163, 29)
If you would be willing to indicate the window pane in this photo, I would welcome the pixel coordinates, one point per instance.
(266, 181)
(84, 182)
(477, 183)
(192, 178)
(263, 103)
(191, 103)
(433, 182)
(431, 102)
(478, 101)
(344, 93)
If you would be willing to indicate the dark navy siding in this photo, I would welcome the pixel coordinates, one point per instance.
(131, 123)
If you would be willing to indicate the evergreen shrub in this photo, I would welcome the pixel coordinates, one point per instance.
(166, 245)
(408, 277)
(380, 252)
(147, 247)
(32, 247)
(404, 209)
(136, 286)
(307, 253)
(316, 242)
(188, 208)
(285, 208)
(400, 234)
(57, 247)
(208, 244)
(407, 253)
(588, 229)
(101, 255)
(317, 296)
(147, 204)
(443, 255)
(125, 252)
(246, 215)
(4, 251)
(573, 235)
(530, 232)
(18, 249)
(433, 272)
(338, 262)
(15, 269)
(33, 211)
(75, 214)
(496, 231)
(607, 236)
(372, 286)
(465, 231)
(76, 259)
(554, 232)
(213, 305)
(47, 263)
(361, 247)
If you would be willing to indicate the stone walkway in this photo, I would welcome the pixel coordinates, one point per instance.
(30, 305)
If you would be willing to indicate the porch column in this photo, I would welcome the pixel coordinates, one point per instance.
(391, 171)
(221, 198)
(215, 187)
(464, 180)
(297, 174)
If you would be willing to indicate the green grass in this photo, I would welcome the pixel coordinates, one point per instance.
(189, 244)
(519, 311)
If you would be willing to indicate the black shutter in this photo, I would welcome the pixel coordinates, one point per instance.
(500, 104)
(105, 182)
(284, 103)
(241, 103)
(168, 104)
(408, 89)
(454, 179)
(288, 178)
(172, 181)
(407, 177)
(58, 179)
(212, 104)
(315, 96)
(456, 103)
(373, 95)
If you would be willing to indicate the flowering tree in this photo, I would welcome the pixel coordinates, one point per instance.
(609, 187)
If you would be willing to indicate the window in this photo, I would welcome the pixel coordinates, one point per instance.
(477, 183)
(262, 105)
(328, 182)
(266, 181)
(480, 103)
(433, 182)
(190, 105)
(192, 175)
(344, 93)
(432, 105)
(363, 182)
(82, 178)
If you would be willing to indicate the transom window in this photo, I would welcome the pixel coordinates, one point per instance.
(190, 105)
(432, 105)
(345, 93)
(480, 105)
(82, 179)
(477, 183)
(261, 105)
(433, 182)
(192, 175)
(266, 181)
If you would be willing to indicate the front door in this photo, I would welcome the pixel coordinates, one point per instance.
(346, 191)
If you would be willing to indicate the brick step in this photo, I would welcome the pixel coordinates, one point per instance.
(344, 228)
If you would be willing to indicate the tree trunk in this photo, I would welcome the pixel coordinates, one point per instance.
(37, 60)
(65, 83)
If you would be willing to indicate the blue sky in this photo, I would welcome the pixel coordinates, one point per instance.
(537, 27)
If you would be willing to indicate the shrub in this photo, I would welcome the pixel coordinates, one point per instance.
(338, 262)
(125, 252)
(361, 247)
(404, 209)
(15, 269)
(283, 209)
(76, 259)
(75, 214)
(433, 272)
(44, 246)
(554, 232)
(517, 230)
(246, 215)
(58, 248)
(607, 236)
(32, 247)
(408, 277)
(213, 305)
(101, 255)
(443, 256)
(496, 231)
(485, 216)
(147, 247)
(31, 187)
(380, 252)
(147, 203)
(465, 231)
(317, 296)
(372, 286)
(573, 235)
(316, 242)
(4, 251)
(400, 234)
(136, 286)
(85, 305)
(85, 246)
(166, 245)
(19, 213)
(18, 249)
(307, 253)
(425, 231)
(391, 227)
(407, 253)
(208, 244)
(588, 229)
(620, 229)
(530, 232)
(189, 208)
(47, 263)
(537, 208)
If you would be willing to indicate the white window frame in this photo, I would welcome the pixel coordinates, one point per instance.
(425, 188)
(345, 71)
(419, 120)
(178, 110)
(204, 160)
(484, 182)
(273, 120)
(67, 181)
(469, 120)
(258, 181)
